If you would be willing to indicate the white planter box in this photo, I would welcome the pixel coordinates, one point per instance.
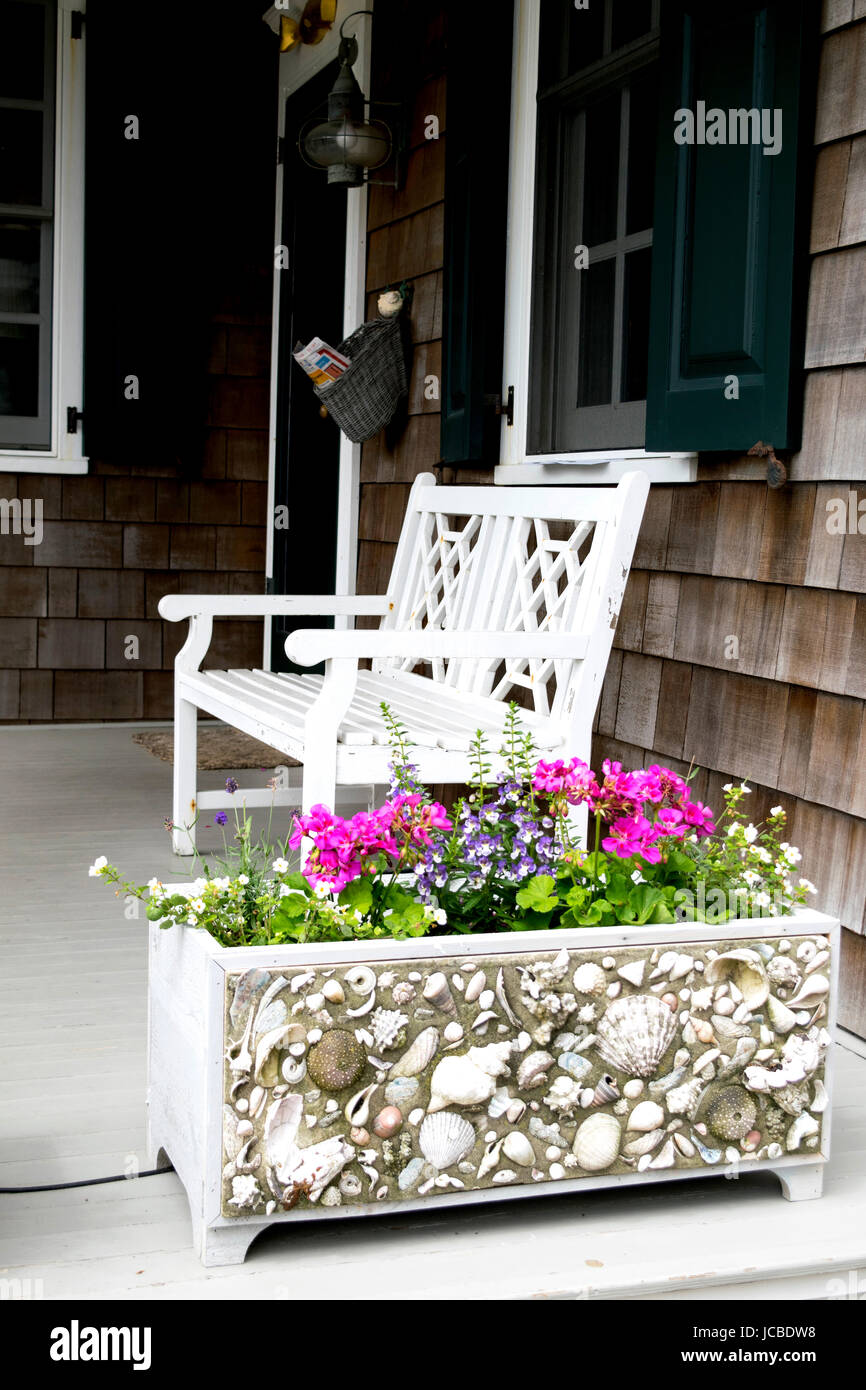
(203, 1061)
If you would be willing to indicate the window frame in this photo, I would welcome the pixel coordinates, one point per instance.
(65, 454)
(516, 465)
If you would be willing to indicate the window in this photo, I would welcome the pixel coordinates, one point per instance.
(597, 117)
(41, 210)
(651, 309)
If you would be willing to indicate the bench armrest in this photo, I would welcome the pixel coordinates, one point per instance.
(175, 607)
(308, 646)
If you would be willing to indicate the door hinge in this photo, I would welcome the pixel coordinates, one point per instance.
(77, 18)
(507, 409)
(73, 415)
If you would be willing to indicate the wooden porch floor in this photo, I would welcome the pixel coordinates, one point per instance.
(72, 1033)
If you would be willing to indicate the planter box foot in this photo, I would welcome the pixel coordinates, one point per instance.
(223, 1245)
(802, 1184)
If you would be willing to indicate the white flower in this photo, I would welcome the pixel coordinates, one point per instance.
(244, 879)
(98, 866)
(763, 899)
(728, 787)
(280, 866)
(809, 887)
(744, 788)
(750, 834)
(440, 917)
(760, 852)
(734, 828)
(777, 810)
(791, 853)
(751, 877)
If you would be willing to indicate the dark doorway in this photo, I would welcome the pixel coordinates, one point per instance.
(311, 305)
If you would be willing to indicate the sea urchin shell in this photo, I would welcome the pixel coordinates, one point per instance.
(731, 1113)
(337, 1061)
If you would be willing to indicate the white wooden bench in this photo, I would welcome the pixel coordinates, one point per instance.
(481, 596)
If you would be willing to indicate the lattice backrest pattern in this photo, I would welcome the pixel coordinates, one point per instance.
(498, 570)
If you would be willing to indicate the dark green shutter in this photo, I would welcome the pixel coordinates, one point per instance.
(476, 191)
(728, 295)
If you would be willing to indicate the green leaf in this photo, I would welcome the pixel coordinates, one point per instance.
(618, 889)
(592, 915)
(539, 894)
(300, 882)
(357, 895)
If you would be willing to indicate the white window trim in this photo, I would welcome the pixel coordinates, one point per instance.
(67, 323)
(515, 464)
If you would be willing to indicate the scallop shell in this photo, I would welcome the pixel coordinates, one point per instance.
(635, 1033)
(445, 1138)
(416, 1057)
(596, 1144)
(437, 992)
(590, 979)
(746, 970)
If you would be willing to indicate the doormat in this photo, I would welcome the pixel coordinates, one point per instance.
(217, 749)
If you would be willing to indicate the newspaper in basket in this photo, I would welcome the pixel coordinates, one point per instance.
(365, 397)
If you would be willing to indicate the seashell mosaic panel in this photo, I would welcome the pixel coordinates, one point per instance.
(352, 1085)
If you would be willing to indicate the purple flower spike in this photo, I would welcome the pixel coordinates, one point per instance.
(221, 818)
(231, 786)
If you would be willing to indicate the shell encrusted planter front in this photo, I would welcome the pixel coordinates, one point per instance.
(300, 1082)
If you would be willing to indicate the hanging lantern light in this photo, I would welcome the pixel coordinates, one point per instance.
(347, 144)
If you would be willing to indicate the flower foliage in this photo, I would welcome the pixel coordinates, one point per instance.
(505, 859)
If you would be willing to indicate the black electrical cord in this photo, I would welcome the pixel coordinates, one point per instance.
(83, 1182)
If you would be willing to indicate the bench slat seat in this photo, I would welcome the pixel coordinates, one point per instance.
(495, 593)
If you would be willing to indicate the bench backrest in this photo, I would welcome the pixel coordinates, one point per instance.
(511, 559)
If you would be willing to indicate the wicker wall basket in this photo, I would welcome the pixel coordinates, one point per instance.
(364, 399)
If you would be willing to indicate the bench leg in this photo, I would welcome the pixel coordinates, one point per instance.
(185, 768)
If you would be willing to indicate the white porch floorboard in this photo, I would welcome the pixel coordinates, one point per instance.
(72, 1040)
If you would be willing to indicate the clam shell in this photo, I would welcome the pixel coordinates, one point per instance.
(596, 1144)
(416, 1057)
(745, 969)
(635, 1033)
(445, 1138)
